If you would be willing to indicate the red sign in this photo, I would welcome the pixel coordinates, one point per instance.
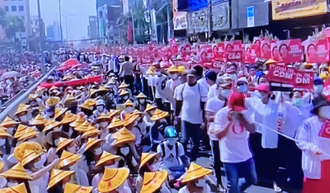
(251, 53)
(287, 75)
(234, 51)
(265, 51)
(325, 131)
(219, 52)
(326, 89)
(317, 51)
(290, 51)
(274, 54)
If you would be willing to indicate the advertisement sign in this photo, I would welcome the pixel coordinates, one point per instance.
(317, 51)
(251, 53)
(199, 21)
(286, 9)
(287, 51)
(220, 16)
(180, 20)
(234, 51)
(265, 51)
(219, 51)
(250, 16)
(286, 75)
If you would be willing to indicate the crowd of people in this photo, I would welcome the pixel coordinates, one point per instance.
(142, 129)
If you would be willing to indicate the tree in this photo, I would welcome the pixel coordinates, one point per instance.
(12, 25)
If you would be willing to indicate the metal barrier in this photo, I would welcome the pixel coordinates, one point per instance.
(11, 106)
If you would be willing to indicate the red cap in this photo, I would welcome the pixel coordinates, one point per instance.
(236, 102)
(263, 88)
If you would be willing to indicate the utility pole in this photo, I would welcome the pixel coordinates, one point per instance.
(41, 40)
(60, 13)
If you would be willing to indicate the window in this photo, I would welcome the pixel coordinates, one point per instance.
(6, 8)
(21, 8)
(13, 8)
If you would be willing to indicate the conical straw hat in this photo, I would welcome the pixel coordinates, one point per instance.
(153, 181)
(150, 107)
(63, 142)
(91, 142)
(129, 103)
(51, 125)
(57, 176)
(196, 172)
(113, 113)
(22, 108)
(123, 85)
(68, 159)
(29, 155)
(107, 157)
(3, 133)
(116, 122)
(68, 118)
(122, 136)
(123, 92)
(83, 127)
(28, 134)
(103, 116)
(17, 171)
(158, 115)
(141, 96)
(8, 122)
(52, 101)
(20, 188)
(130, 118)
(74, 188)
(20, 150)
(38, 120)
(81, 119)
(112, 179)
(148, 156)
(90, 132)
(59, 112)
(20, 131)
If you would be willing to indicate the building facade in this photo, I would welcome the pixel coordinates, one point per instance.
(54, 32)
(35, 31)
(19, 8)
(92, 27)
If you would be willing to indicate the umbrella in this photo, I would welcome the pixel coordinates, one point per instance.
(10, 74)
(70, 62)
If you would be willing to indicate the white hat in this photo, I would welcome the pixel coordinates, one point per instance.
(243, 79)
(100, 102)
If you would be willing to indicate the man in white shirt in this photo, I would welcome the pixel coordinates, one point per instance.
(232, 127)
(159, 83)
(191, 101)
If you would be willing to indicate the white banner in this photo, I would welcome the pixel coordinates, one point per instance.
(199, 21)
(154, 36)
(180, 20)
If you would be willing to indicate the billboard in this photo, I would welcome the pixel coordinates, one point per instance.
(286, 9)
(221, 16)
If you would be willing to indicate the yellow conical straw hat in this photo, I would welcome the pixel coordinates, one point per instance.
(74, 188)
(8, 122)
(195, 172)
(153, 181)
(68, 159)
(63, 142)
(107, 157)
(112, 179)
(20, 188)
(17, 171)
(57, 176)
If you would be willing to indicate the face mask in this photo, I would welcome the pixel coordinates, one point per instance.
(175, 76)
(57, 128)
(39, 164)
(129, 109)
(104, 124)
(152, 112)
(325, 112)
(242, 88)
(2, 142)
(72, 149)
(124, 150)
(98, 151)
(296, 102)
(155, 167)
(172, 141)
(225, 92)
(56, 141)
(100, 108)
(200, 183)
(318, 89)
(234, 77)
(11, 184)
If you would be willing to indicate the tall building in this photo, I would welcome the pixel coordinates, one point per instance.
(35, 31)
(20, 8)
(92, 27)
(54, 32)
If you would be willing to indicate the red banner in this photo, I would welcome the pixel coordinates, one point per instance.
(275, 55)
(251, 53)
(234, 51)
(290, 51)
(317, 51)
(304, 79)
(219, 52)
(265, 51)
(326, 89)
(79, 82)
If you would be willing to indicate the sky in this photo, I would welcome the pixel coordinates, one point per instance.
(76, 12)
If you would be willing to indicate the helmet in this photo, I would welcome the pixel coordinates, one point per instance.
(170, 132)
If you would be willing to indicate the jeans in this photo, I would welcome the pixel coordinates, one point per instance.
(245, 170)
(129, 79)
(192, 131)
(177, 171)
(217, 161)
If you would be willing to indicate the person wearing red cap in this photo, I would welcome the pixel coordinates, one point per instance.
(233, 124)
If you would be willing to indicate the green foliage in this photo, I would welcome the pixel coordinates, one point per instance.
(11, 24)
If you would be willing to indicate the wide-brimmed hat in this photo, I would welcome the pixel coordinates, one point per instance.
(52, 101)
(141, 96)
(20, 131)
(236, 102)
(16, 172)
(122, 136)
(129, 103)
(112, 179)
(8, 122)
(158, 115)
(80, 120)
(103, 116)
(123, 85)
(51, 136)
(29, 155)
(137, 112)
(103, 89)
(88, 104)
(57, 176)
(38, 120)
(129, 119)
(148, 156)
(62, 143)
(68, 99)
(91, 131)
(153, 181)
(271, 61)
(150, 107)
(123, 92)
(83, 127)
(107, 157)
(113, 113)
(20, 149)
(51, 125)
(20, 188)
(68, 118)
(22, 108)
(92, 142)
(195, 172)
(68, 159)
(3, 132)
(172, 69)
(74, 188)
(28, 133)
(59, 112)
(319, 102)
(116, 122)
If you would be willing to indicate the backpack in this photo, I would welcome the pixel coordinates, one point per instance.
(176, 150)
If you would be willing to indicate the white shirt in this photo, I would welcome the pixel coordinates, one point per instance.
(157, 83)
(191, 97)
(213, 91)
(206, 189)
(213, 105)
(172, 84)
(234, 147)
(203, 82)
(170, 158)
(39, 184)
